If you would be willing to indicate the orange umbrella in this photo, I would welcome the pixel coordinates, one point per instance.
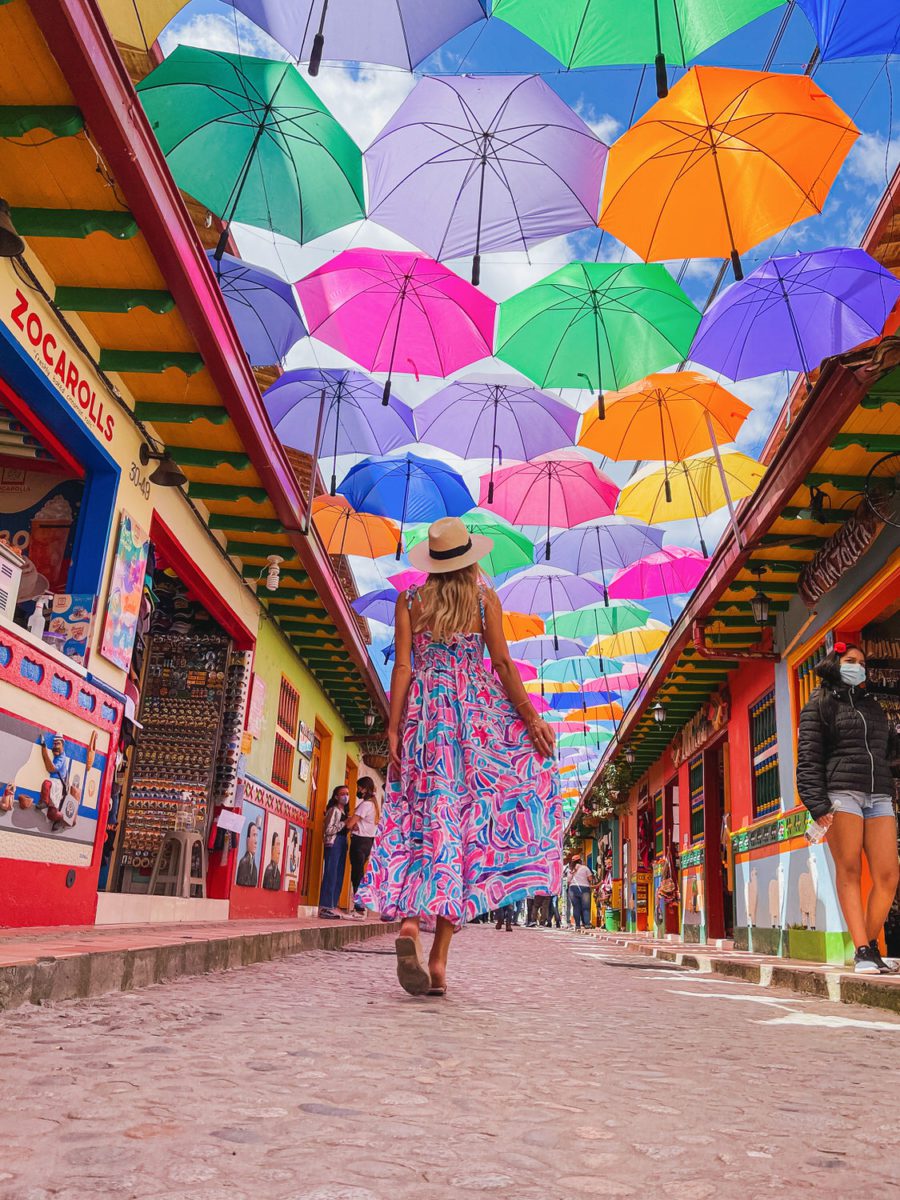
(665, 418)
(521, 625)
(725, 161)
(343, 530)
(597, 712)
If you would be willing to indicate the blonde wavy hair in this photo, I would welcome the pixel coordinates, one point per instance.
(450, 601)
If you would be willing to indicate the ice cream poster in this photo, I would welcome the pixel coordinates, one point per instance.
(125, 592)
(69, 626)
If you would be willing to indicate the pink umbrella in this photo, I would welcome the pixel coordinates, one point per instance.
(392, 310)
(669, 571)
(526, 670)
(557, 490)
(629, 677)
(539, 703)
(404, 580)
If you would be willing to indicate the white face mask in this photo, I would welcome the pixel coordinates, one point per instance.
(853, 673)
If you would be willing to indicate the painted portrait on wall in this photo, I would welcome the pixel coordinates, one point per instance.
(273, 853)
(251, 846)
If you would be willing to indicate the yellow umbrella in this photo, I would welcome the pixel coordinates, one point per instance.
(139, 22)
(632, 641)
(343, 530)
(570, 794)
(550, 686)
(696, 488)
(598, 712)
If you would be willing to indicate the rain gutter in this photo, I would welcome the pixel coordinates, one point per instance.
(89, 59)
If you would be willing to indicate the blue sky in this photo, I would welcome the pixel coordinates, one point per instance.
(364, 98)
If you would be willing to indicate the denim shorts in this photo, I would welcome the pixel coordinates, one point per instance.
(862, 804)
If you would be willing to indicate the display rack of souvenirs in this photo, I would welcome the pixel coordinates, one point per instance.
(237, 690)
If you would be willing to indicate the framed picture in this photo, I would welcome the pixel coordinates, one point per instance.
(304, 741)
(302, 768)
(125, 591)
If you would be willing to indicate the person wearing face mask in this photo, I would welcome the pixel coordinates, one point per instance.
(846, 762)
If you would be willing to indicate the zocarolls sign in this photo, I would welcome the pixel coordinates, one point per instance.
(842, 551)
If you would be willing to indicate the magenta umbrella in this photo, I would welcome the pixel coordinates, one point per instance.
(526, 670)
(669, 571)
(557, 490)
(404, 580)
(630, 676)
(393, 310)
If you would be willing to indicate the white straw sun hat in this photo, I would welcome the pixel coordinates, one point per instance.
(449, 547)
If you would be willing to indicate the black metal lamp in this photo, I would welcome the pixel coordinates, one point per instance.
(167, 472)
(629, 756)
(759, 601)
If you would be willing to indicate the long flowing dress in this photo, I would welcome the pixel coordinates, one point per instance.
(475, 820)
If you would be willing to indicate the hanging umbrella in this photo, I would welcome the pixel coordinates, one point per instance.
(670, 571)
(251, 140)
(517, 625)
(391, 310)
(695, 486)
(394, 33)
(550, 686)
(602, 546)
(845, 29)
(407, 488)
(548, 590)
(139, 23)
(595, 33)
(628, 677)
(511, 549)
(572, 670)
(598, 712)
(601, 324)
(561, 489)
(405, 580)
(477, 417)
(568, 702)
(597, 620)
(585, 739)
(634, 641)
(725, 161)
(336, 412)
(793, 312)
(473, 163)
(561, 725)
(262, 306)
(377, 606)
(345, 531)
(542, 649)
(526, 670)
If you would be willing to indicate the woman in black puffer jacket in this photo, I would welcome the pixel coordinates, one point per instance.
(845, 776)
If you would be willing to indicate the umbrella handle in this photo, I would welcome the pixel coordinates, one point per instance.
(386, 394)
(736, 265)
(601, 407)
(547, 551)
(476, 270)
(662, 81)
(333, 491)
(315, 57)
(221, 244)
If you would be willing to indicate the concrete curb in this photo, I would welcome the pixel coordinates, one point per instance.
(96, 973)
(842, 986)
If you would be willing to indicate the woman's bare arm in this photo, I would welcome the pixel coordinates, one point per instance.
(539, 731)
(401, 676)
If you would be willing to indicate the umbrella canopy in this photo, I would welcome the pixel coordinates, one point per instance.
(550, 686)
(598, 712)
(572, 670)
(594, 33)
(848, 30)
(474, 163)
(548, 590)
(377, 606)
(262, 306)
(601, 324)
(542, 649)
(139, 22)
(567, 702)
(391, 310)
(561, 725)
(407, 579)
(725, 161)
(664, 417)
(395, 33)
(497, 418)
(669, 571)
(695, 487)
(793, 312)
(628, 677)
(596, 620)
(634, 641)
(352, 421)
(561, 489)
(345, 531)
(251, 140)
(511, 549)
(517, 625)
(407, 488)
(595, 738)
(525, 670)
(602, 546)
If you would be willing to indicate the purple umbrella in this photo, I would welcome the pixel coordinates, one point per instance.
(542, 649)
(793, 312)
(606, 545)
(472, 163)
(396, 33)
(548, 590)
(473, 416)
(352, 420)
(377, 606)
(262, 306)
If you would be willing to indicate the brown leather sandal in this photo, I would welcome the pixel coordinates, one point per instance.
(412, 971)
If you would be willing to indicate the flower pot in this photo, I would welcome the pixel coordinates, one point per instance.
(613, 920)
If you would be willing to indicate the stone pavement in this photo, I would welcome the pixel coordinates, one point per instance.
(557, 1068)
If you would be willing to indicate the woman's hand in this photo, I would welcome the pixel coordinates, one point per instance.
(826, 821)
(394, 743)
(542, 737)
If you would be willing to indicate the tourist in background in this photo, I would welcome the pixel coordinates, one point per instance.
(581, 881)
(334, 865)
(361, 827)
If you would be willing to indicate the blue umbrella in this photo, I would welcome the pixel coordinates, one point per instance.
(378, 606)
(262, 306)
(406, 488)
(353, 419)
(570, 701)
(854, 28)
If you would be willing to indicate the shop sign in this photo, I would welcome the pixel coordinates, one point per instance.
(841, 552)
(711, 718)
(37, 330)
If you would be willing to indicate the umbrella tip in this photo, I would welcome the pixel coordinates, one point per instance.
(476, 270)
(386, 394)
(662, 80)
(736, 265)
(315, 57)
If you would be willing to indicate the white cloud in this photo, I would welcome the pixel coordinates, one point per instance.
(604, 125)
(362, 99)
(873, 159)
(231, 34)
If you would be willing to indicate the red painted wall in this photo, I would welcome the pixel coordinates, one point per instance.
(751, 681)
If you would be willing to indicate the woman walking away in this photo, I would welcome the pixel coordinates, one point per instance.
(472, 816)
(845, 767)
(361, 827)
(580, 880)
(335, 863)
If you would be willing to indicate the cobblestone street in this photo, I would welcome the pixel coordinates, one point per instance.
(554, 1069)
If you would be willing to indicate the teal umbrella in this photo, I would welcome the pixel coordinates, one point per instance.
(251, 140)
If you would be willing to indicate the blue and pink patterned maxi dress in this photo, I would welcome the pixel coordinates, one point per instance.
(475, 820)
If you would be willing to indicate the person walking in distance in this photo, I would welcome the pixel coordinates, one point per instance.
(362, 826)
(505, 915)
(580, 882)
(472, 815)
(335, 861)
(846, 763)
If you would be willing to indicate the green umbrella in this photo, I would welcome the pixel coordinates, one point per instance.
(583, 739)
(251, 140)
(598, 620)
(594, 33)
(511, 549)
(604, 324)
(577, 670)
